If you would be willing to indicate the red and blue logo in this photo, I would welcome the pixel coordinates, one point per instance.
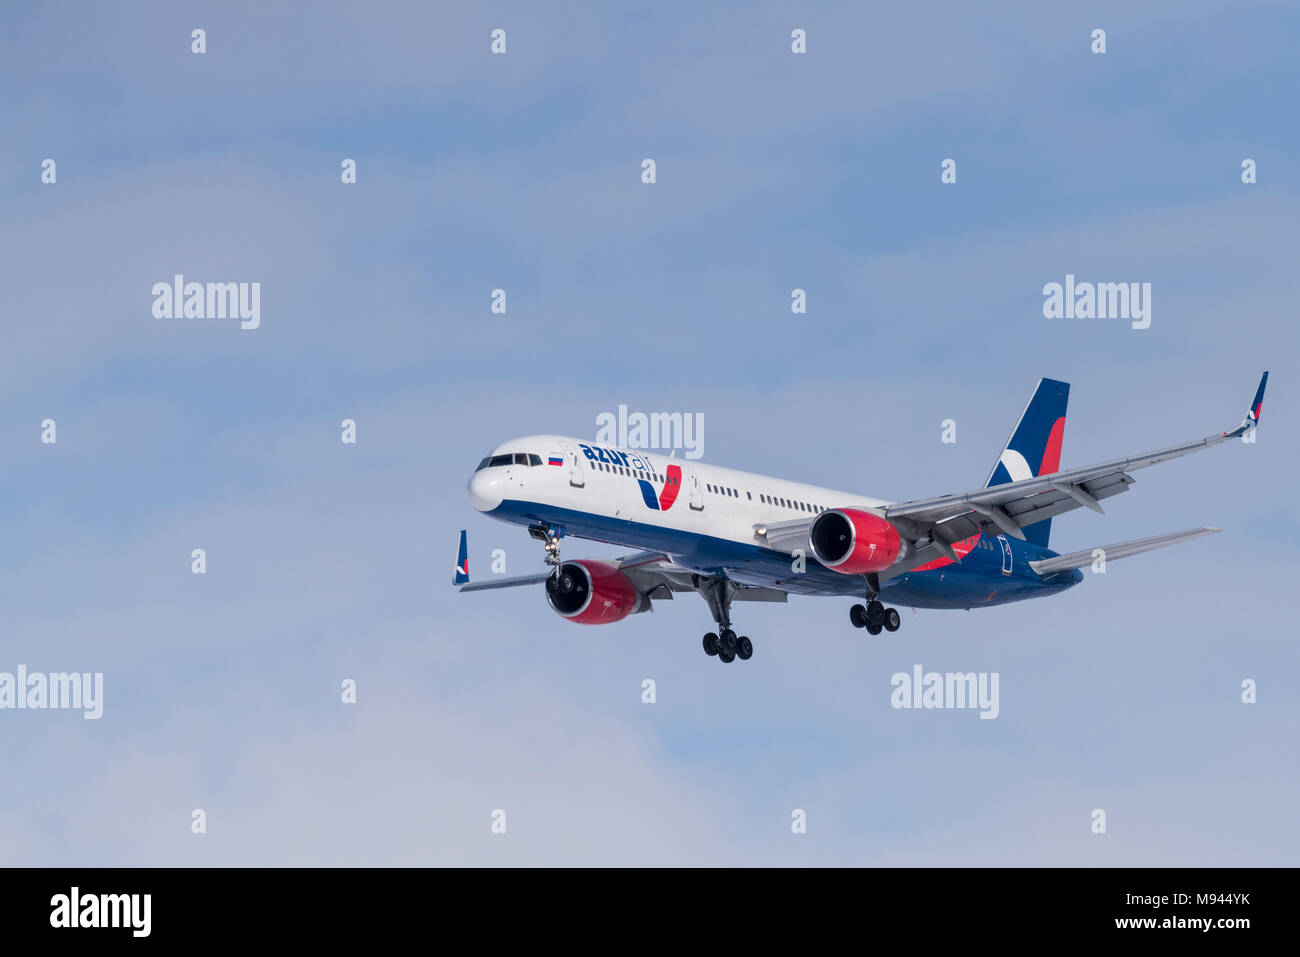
(555, 460)
(664, 500)
(659, 501)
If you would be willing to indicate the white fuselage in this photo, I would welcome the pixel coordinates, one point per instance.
(605, 481)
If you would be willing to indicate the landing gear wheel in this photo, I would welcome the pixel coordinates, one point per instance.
(710, 644)
(892, 620)
(727, 642)
(873, 629)
(726, 657)
(858, 615)
(875, 613)
(744, 648)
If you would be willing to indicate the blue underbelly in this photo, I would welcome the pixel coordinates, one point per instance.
(975, 581)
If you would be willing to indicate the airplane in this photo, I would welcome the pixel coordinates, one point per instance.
(738, 536)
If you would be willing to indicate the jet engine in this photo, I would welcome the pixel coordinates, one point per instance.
(854, 542)
(593, 592)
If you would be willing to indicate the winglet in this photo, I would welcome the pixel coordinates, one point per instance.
(462, 561)
(1252, 414)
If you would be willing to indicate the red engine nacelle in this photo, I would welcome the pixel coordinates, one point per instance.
(593, 592)
(854, 542)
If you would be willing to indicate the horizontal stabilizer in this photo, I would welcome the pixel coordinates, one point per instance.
(1048, 566)
(507, 582)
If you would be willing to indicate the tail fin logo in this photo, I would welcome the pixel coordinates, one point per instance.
(1034, 446)
(462, 561)
(1015, 465)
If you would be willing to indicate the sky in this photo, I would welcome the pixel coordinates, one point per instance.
(329, 562)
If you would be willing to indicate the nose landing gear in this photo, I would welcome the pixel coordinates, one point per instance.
(550, 535)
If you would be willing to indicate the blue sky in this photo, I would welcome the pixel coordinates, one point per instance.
(522, 171)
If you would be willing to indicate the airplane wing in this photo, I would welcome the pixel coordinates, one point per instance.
(654, 574)
(935, 524)
(1084, 558)
(786, 536)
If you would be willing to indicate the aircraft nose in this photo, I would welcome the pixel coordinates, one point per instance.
(486, 489)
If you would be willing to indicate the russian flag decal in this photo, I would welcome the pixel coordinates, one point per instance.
(555, 460)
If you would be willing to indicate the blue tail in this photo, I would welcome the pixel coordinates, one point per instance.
(1034, 447)
(462, 561)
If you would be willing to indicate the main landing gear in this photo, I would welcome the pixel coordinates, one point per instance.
(724, 644)
(874, 616)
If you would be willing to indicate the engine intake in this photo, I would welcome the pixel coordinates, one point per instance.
(593, 592)
(854, 542)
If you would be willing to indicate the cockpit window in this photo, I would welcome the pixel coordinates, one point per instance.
(510, 458)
